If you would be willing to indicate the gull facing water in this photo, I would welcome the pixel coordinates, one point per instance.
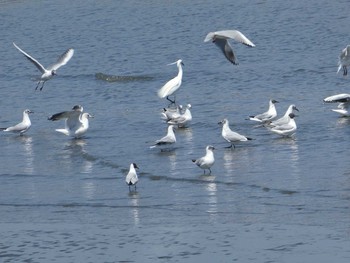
(172, 85)
(207, 161)
(231, 136)
(269, 115)
(220, 39)
(21, 127)
(344, 60)
(77, 122)
(344, 103)
(132, 178)
(48, 73)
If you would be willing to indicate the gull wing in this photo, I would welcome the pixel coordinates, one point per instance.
(31, 59)
(344, 97)
(232, 34)
(63, 59)
(60, 116)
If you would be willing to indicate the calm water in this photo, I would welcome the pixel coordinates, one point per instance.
(269, 200)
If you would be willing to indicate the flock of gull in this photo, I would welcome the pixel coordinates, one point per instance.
(77, 121)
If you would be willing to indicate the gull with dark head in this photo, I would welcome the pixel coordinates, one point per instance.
(287, 129)
(132, 178)
(76, 122)
(344, 103)
(344, 60)
(21, 127)
(48, 73)
(172, 85)
(269, 115)
(285, 118)
(207, 161)
(231, 136)
(220, 39)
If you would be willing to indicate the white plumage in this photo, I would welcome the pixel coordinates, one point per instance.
(220, 39)
(344, 60)
(269, 115)
(21, 127)
(76, 122)
(231, 136)
(207, 161)
(48, 73)
(172, 85)
(344, 102)
(132, 178)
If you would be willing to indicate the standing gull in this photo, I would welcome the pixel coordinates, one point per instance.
(168, 139)
(132, 178)
(287, 129)
(230, 135)
(77, 122)
(184, 119)
(21, 127)
(48, 73)
(270, 114)
(344, 103)
(172, 85)
(220, 39)
(285, 118)
(344, 60)
(207, 161)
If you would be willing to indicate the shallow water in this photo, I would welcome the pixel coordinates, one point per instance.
(268, 200)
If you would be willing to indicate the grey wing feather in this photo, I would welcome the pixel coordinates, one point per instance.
(31, 59)
(63, 59)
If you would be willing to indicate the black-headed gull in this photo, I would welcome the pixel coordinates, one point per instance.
(168, 139)
(172, 85)
(344, 103)
(21, 127)
(285, 118)
(170, 113)
(220, 38)
(344, 60)
(184, 119)
(48, 73)
(132, 178)
(287, 129)
(269, 115)
(77, 122)
(207, 161)
(231, 136)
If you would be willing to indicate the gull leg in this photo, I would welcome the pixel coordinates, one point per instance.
(37, 86)
(42, 86)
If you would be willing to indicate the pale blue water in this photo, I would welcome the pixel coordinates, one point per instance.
(269, 200)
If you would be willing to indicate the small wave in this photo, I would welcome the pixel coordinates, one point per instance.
(113, 78)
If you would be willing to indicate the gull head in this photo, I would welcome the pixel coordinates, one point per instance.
(77, 108)
(53, 72)
(135, 166)
(27, 111)
(210, 147)
(223, 121)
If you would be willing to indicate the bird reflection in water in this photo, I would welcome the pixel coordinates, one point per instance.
(134, 206)
(75, 149)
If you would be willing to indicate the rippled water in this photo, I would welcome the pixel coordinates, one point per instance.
(268, 200)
